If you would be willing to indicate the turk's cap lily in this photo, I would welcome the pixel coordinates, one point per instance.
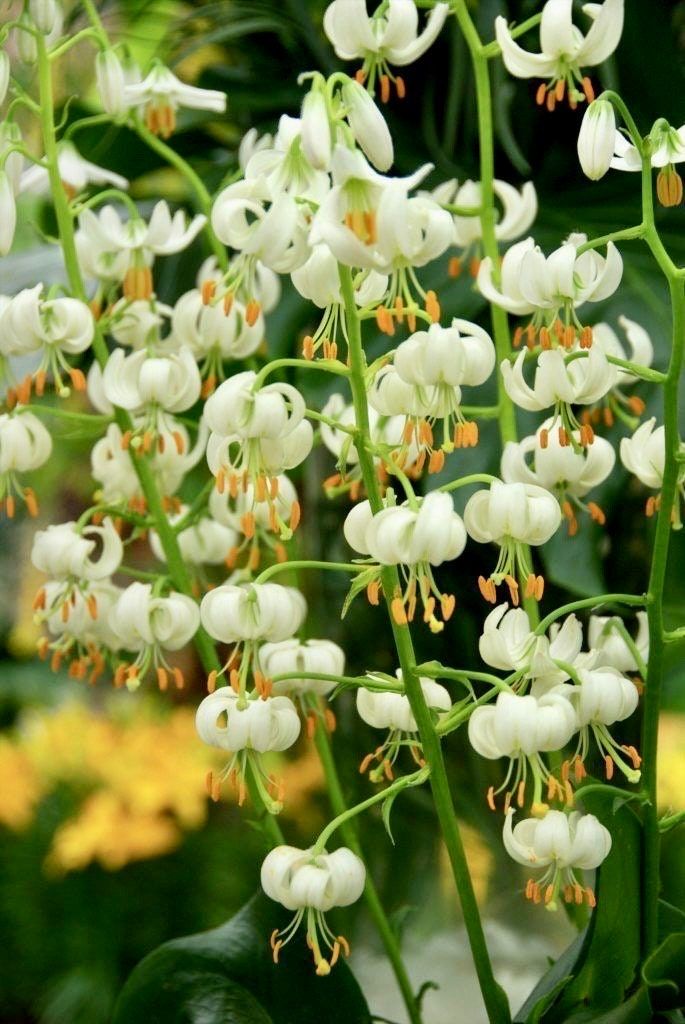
(391, 396)
(29, 322)
(299, 878)
(508, 292)
(80, 624)
(229, 510)
(610, 646)
(462, 353)
(62, 551)
(572, 840)
(25, 444)
(639, 350)
(164, 234)
(384, 429)
(75, 171)
(141, 618)
(134, 381)
(392, 37)
(562, 44)
(271, 411)
(273, 455)
(397, 535)
(204, 327)
(295, 656)
(548, 282)
(644, 454)
(206, 542)
(262, 724)
(519, 209)
(516, 725)
(605, 696)
(252, 142)
(318, 280)
(257, 611)
(577, 382)
(162, 86)
(596, 139)
(522, 512)
(509, 643)
(245, 218)
(563, 469)
(393, 710)
(137, 323)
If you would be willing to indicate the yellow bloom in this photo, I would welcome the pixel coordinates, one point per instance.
(21, 788)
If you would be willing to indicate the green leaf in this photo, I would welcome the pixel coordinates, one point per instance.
(227, 976)
(664, 972)
(636, 1010)
(550, 984)
(671, 919)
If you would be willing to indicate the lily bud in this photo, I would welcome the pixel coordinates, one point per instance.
(111, 80)
(8, 214)
(368, 125)
(316, 131)
(25, 42)
(43, 15)
(4, 74)
(596, 139)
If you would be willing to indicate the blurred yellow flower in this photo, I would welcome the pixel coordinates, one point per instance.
(671, 762)
(21, 789)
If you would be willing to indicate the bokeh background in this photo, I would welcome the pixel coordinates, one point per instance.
(108, 845)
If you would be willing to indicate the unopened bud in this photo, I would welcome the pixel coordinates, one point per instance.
(368, 124)
(596, 139)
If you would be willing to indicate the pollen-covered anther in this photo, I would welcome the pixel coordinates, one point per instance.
(514, 590)
(487, 589)
(399, 613)
(454, 268)
(563, 437)
(545, 339)
(436, 461)
(586, 338)
(373, 592)
(596, 513)
(587, 435)
(432, 306)
(252, 311)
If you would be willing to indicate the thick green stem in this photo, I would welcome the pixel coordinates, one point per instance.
(373, 902)
(178, 572)
(494, 998)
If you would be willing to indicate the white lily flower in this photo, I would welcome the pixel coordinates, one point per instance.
(567, 471)
(138, 324)
(559, 383)
(417, 538)
(519, 210)
(112, 249)
(65, 552)
(512, 515)
(311, 882)
(249, 514)
(236, 461)
(321, 657)
(270, 411)
(383, 429)
(508, 293)
(606, 696)
(565, 50)
(25, 445)
(254, 611)
(137, 381)
(521, 728)
(80, 636)
(162, 93)
(368, 125)
(75, 171)
(271, 230)
(667, 149)
(283, 166)
(393, 711)
(640, 349)
(206, 542)
(390, 37)
(111, 77)
(318, 280)
(611, 647)
(509, 643)
(59, 327)
(8, 213)
(644, 455)
(112, 467)
(563, 844)
(149, 624)
(214, 335)
(261, 725)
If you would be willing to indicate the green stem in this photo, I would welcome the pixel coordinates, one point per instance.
(494, 998)
(279, 567)
(373, 902)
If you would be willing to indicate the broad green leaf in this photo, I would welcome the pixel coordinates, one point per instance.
(227, 976)
(664, 972)
(550, 984)
(636, 1010)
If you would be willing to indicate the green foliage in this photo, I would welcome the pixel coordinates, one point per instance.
(228, 975)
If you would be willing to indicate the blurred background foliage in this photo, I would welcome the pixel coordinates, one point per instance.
(107, 844)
